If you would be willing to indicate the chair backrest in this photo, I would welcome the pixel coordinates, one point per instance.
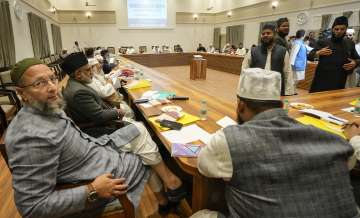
(142, 49)
(111, 50)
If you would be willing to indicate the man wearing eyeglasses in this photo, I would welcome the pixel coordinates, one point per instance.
(46, 148)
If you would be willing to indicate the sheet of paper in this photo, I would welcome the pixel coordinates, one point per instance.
(187, 134)
(226, 121)
(349, 109)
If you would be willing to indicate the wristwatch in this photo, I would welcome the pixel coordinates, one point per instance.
(92, 196)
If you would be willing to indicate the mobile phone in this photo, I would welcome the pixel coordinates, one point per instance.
(139, 101)
(171, 124)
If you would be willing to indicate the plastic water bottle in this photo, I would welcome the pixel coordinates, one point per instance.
(357, 106)
(203, 110)
(286, 106)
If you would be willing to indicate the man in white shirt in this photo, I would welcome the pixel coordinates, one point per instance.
(269, 159)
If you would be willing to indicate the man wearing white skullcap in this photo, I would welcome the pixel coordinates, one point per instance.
(274, 166)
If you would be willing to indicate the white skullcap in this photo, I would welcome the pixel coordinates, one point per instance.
(99, 58)
(350, 31)
(259, 84)
(92, 61)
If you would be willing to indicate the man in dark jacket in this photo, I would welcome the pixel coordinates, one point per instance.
(337, 59)
(271, 56)
(282, 30)
(84, 105)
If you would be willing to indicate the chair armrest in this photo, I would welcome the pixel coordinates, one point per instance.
(126, 204)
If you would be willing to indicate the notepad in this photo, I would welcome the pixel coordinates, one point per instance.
(139, 84)
(321, 124)
(185, 119)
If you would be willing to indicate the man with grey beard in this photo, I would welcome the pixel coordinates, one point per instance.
(84, 105)
(46, 148)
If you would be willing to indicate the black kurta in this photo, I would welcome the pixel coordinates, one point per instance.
(330, 74)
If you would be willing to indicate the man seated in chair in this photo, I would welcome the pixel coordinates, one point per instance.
(45, 148)
(83, 104)
(274, 166)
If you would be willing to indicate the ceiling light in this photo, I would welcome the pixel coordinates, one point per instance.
(195, 16)
(229, 13)
(274, 4)
(53, 10)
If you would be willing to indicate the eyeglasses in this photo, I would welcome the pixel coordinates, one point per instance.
(42, 83)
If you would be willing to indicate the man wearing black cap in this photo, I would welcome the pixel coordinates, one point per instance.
(270, 56)
(83, 104)
(282, 30)
(337, 59)
(46, 148)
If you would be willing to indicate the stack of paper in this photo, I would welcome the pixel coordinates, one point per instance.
(321, 124)
(187, 134)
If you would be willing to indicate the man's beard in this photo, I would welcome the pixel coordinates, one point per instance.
(336, 38)
(267, 44)
(49, 108)
(239, 120)
(282, 35)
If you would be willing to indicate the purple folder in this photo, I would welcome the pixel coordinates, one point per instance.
(185, 150)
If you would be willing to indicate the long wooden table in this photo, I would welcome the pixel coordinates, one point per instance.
(221, 62)
(332, 101)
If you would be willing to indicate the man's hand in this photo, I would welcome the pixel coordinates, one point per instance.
(121, 113)
(351, 130)
(107, 187)
(324, 52)
(351, 65)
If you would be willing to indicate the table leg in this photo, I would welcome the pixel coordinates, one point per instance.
(199, 193)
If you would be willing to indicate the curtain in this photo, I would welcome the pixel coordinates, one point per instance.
(235, 35)
(348, 14)
(39, 36)
(358, 35)
(7, 44)
(216, 42)
(56, 35)
(325, 21)
(262, 25)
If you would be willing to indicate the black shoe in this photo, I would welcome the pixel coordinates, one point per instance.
(165, 209)
(175, 195)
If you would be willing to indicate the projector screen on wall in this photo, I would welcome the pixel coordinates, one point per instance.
(147, 13)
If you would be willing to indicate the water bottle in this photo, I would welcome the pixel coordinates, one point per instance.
(357, 106)
(203, 110)
(141, 75)
(286, 106)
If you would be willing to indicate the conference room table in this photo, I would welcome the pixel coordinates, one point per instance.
(331, 101)
(220, 62)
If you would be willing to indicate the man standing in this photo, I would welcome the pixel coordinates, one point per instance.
(76, 47)
(312, 40)
(272, 165)
(298, 57)
(283, 28)
(271, 56)
(337, 59)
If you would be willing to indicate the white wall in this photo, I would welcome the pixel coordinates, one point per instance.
(251, 30)
(187, 35)
(22, 37)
